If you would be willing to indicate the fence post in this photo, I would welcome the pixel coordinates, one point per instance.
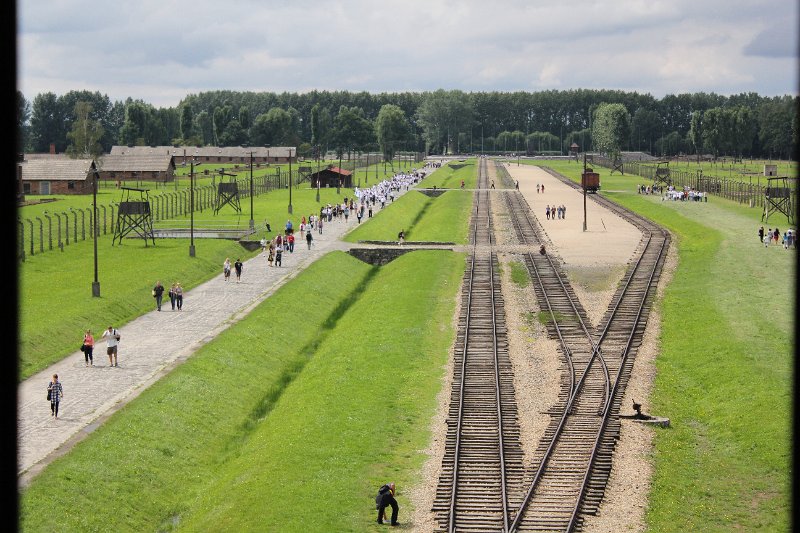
(60, 243)
(83, 225)
(23, 248)
(74, 224)
(49, 230)
(22, 238)
(104, 220)
(41, 235)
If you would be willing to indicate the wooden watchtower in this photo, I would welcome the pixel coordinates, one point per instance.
(662, 174)
(780, 195)
(227, 193)
(134, 216)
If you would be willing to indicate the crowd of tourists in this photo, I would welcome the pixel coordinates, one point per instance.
(773, 236)
(688, 194)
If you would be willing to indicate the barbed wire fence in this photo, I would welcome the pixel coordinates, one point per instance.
(55, 230)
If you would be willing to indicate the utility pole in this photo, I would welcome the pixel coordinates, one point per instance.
(252, 222)
(584, 191)
(191, 210)
(290, 181)
(96, 282)
(318, 173)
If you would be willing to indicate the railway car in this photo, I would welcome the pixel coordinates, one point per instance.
(590, 181)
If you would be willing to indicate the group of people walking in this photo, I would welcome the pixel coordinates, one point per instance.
(789, 239)
(111, 336)
(238, 266)
(557, 211)
(175, 294)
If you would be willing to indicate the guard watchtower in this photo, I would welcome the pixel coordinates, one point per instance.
(134, 216)
(780, 195)
(662, 174)
(227, 193)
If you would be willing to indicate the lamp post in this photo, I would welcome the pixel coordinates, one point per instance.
(318, 155)
(252, 222)
(96, 282)
(290, 181)
(584, 191)
(191, 210)
(339, 179)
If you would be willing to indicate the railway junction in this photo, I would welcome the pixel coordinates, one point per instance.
(503, 466)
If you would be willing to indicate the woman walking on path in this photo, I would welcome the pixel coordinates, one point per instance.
(179, 296)
(226, 269)
(309, 238)
(172, 296)
(54, 393)
(238, 267)
(88, 347)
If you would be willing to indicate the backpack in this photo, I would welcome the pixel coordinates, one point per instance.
(381, 491)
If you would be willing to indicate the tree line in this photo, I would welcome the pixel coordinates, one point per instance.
(436, 122)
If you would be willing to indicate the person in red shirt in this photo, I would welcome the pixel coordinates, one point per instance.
(88, 347)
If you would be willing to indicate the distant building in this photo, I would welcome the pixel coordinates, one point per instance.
(56, 175)
(145, 167)
(214, 154)
(331, 177)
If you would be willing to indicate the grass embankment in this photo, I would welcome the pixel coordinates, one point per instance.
(423, 218)
(449, 176)
(724, 370)
(288, 421)
(443, 218)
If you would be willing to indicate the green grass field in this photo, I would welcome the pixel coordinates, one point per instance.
(423, 218)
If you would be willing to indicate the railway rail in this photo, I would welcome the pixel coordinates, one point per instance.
(573, 461)
(483, 485)
(483, 455)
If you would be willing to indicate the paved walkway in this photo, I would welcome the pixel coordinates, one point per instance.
(93, 394)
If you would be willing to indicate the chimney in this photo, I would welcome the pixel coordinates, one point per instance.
(52, 148)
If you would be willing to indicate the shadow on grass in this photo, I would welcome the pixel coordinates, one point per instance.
(294, 368)
(419, 216)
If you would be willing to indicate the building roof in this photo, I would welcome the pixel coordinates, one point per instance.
(45, 155)
(341, 171)
(56, 169)
(136, 163)
(207, 151)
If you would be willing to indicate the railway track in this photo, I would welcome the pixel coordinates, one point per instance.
(572, 463)
(483, 456)
(483, 485)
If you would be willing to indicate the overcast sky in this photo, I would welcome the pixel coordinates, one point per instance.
(161, 51)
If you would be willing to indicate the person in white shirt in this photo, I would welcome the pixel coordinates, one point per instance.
(112, 337)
